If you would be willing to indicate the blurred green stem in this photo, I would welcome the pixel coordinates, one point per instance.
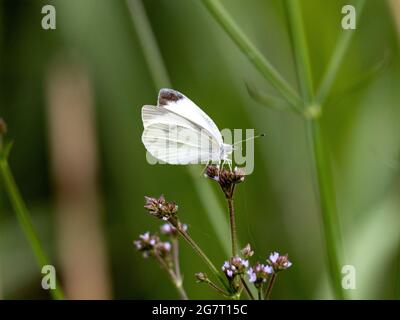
(175, 252)
(337, 58)
(176, 280)
(300, 49)
(25, 221)
(252, 53)
(326, 194)
(324, 184)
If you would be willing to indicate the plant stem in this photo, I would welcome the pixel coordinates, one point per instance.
(233, 226)
(25, 221)
(300, 49)
(260, 293)
(218, 289)
(152, 54)
(324, 184)
(270, 286)
(174, 278)
(175, 252)
(252, 53)
(337, 58)
(327, 201)
(197, 249)
(247, 289)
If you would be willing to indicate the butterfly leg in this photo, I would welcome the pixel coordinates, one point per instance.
(230, 165)
(221, 167)
(204, 169)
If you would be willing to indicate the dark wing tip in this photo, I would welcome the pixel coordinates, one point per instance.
(168, 95)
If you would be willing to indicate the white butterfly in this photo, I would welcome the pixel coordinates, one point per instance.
(177, 131)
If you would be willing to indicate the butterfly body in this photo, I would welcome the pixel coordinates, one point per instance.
(177, 131)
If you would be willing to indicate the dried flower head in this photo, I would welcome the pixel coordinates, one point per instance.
(258, 274)
(201, 277)
(247, 252)
(170, 230)
(160, 208)
(279, 262)
(235, 266)
(150, 244)
(227, 179)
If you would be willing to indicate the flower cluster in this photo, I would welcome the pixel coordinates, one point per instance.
(170, 230)
(279, 262)
(259, 273)
(227, 179)
(151, 245)
(160, 208)
(235, 266)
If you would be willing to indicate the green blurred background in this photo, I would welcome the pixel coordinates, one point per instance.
(72, 97)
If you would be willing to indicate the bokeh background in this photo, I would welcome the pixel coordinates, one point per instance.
(72, 98)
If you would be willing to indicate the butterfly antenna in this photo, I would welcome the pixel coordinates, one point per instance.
(251, 138)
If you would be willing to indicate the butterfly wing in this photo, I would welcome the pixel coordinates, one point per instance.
(175, 139)
(179, 104)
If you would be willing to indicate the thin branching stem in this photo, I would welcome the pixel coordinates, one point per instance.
(232, 221)
(174, 278)
(270, 286)
(260, 293)
(337, 58)
(25, 221)
(219, 13)
(175, 253)
(197, 249)
(300, 49)
(218, 289)
(246, 288)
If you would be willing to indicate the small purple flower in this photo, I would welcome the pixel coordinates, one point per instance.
(170, 230)
(273, 257)
(268, 269)
(278, 262)
(150, 244)
(235, 266)
(167, 246)
(259, 274)
(252, 275)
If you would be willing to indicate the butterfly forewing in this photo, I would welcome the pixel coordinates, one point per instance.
(179, 104)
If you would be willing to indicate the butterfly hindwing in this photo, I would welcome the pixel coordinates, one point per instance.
(178, 144)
